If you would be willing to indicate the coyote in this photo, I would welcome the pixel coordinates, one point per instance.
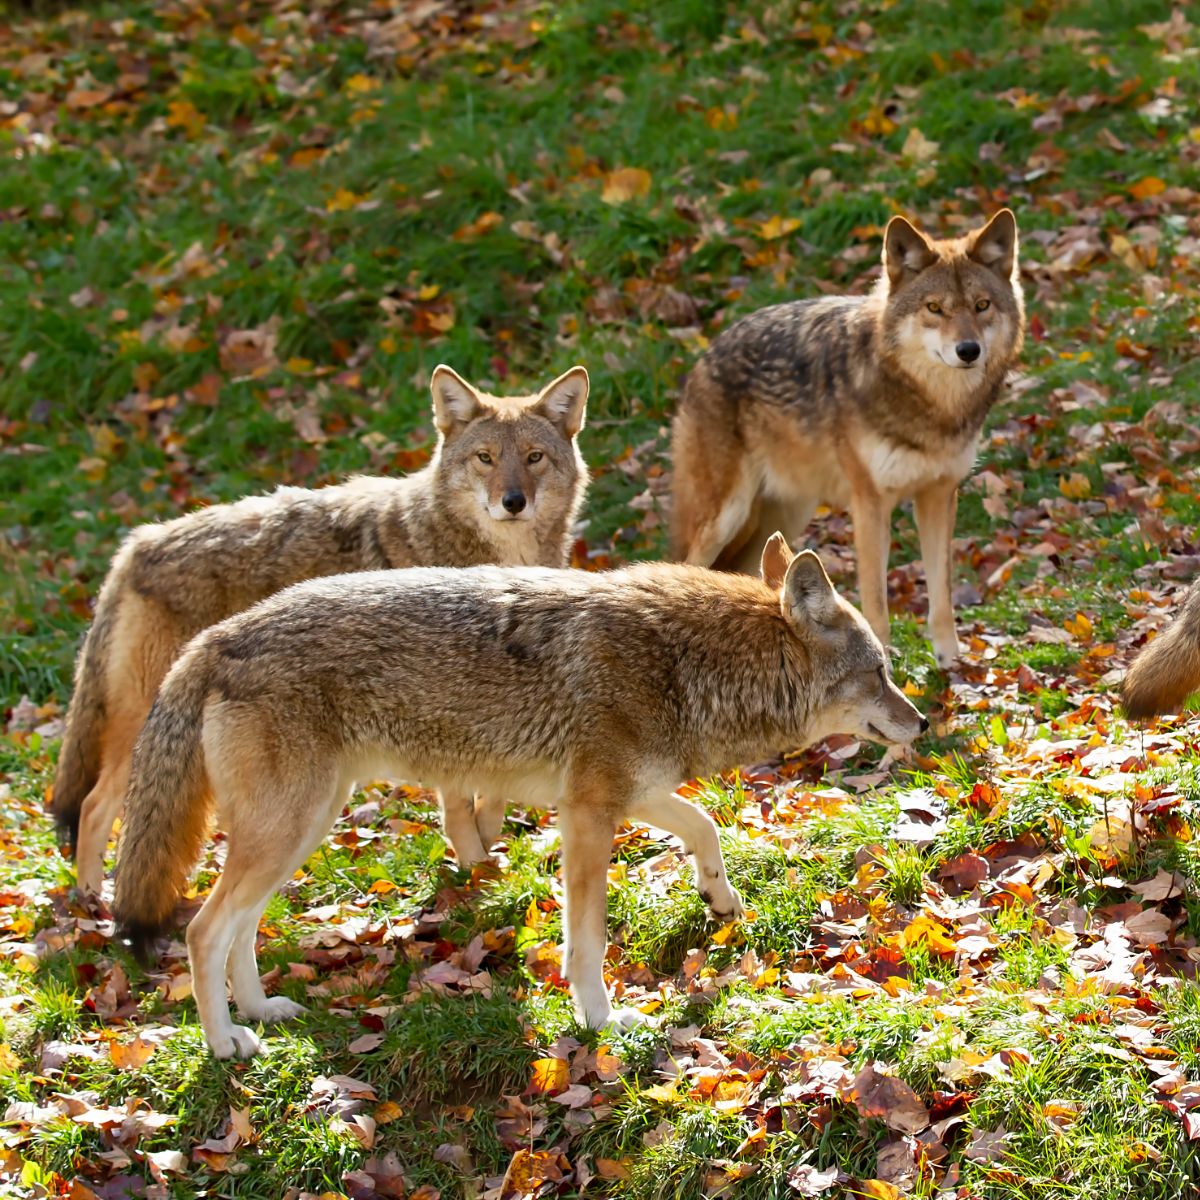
(593, 694)
(504, 485)
(1167, 671)
(855, 401)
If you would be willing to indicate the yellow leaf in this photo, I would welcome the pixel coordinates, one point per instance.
(343, 200)
(666, 1093)
(428, 292)
(925, 931)
(918, 147)
(877, 1189)
(768, 977)
(626, 183)
(1079, 626)
(1145, 188)
(777, 227)
(388, 344)
(8, 1060)
(1075, 486)
(299, 366)
(183, 114)
(387, 1111)
(549, 1075)
(360, 84)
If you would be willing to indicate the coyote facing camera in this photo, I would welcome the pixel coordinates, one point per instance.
(503, 486)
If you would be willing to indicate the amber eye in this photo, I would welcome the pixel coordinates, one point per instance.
(934, 306)
(484, 457)
(982, 305)
(535, 456)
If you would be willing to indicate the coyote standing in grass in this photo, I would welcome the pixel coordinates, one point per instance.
(504, 486)
(594, 694)
(1167, 671)
(855, 401)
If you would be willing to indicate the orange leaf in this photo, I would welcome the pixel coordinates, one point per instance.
(130, 1054)
(549, 1075)
(877, 1189)
(85, 98)
(611, 1168)
(1151, 185)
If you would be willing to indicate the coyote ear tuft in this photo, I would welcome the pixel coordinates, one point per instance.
(775, 559)
(906, 251)
(995, 245)
(808, 596)
(455, 401)
(564, 401)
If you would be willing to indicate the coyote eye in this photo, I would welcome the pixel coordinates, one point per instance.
(982, 305)
(535, 456)
(934, 306)
(484, 457)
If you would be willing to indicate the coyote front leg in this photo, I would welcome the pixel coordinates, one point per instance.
(934, 510)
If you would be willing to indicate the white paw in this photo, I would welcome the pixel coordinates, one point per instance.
(946, 651)
(238, 1042)
(726, 907)
(275, 1008)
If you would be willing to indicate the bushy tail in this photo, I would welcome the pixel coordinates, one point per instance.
(1167, 671)
(79, 758)
(166, 808)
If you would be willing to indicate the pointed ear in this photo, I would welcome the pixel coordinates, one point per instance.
(455, 401)
(906, 251)
(564, 401)
(775, 559)
(808, 596)
(995, 245)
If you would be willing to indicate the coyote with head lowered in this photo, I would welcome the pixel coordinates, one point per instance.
(593, 694)
(504, 486)
(856, 401)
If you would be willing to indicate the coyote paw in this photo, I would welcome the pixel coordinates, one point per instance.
(946, 651)
(628, 1018)
(238, 1042)
(276, 1008)
(724, 907)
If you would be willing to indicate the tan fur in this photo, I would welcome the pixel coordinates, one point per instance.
(1167, 671)
(858, 402)
(171, 580)
(593, 694)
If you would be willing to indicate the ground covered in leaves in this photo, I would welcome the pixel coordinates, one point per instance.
(234, 240)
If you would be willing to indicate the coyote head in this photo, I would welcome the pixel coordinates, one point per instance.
(851, 687)
(953, 313)
(513, 458)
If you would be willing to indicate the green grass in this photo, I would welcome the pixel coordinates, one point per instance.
(173, 175)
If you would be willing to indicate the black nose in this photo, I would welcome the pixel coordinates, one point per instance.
(924, 725)
(513, 501)
(967, 351)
